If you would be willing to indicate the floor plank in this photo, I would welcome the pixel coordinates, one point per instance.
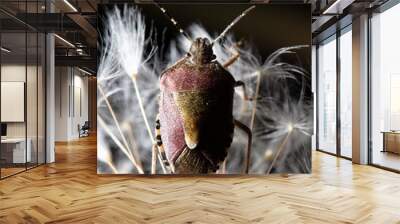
(70, 191)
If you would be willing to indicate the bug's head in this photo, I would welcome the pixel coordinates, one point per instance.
(201, 51)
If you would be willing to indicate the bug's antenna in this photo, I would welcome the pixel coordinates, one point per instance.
(164, 11)
(233, 23)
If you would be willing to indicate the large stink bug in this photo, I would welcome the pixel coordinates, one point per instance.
(195, 125)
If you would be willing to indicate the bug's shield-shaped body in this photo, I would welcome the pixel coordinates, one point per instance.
(196, 115)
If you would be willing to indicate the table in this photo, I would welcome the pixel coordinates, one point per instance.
(391, 141)
(15, 148)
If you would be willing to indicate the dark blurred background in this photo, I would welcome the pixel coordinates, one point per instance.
(267, 27)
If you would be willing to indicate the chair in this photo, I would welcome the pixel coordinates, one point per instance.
(84, 130)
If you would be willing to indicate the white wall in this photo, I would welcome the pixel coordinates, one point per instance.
(16, 73)
(11, 73)
(33, 126)
(82, 83)
(71, 102)
(61, 103)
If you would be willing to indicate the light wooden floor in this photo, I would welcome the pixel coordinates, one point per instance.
(387, 159)
(70, 191)
(10, 171)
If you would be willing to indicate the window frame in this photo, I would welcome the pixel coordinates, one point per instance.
(380, 9)
(333, 37)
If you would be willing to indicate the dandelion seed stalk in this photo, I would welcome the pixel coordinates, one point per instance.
(278, 152)
(119, 144)
(111, 165)
(116, 122)
(144, 115)
(142, 110)
(254, 110)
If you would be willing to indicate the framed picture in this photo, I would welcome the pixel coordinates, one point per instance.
(204, 89)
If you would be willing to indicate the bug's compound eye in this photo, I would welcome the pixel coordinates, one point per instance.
(188, 54)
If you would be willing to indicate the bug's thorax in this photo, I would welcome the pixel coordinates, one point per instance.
(201, 52)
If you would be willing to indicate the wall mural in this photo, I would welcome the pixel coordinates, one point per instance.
(204, 89)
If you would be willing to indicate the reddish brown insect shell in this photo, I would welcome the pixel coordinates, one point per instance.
(196, 105)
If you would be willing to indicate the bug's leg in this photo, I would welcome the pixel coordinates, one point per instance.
(243, 86)
(235, 56)
(232, 59)
(160, 148)
(247, 130)
(245, 97)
